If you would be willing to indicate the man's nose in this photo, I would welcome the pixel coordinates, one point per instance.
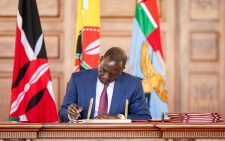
(106, 75)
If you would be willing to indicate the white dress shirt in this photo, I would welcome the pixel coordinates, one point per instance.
(99, 89)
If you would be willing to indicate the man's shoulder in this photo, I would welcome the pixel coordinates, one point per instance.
(130, 77)
(85, 73)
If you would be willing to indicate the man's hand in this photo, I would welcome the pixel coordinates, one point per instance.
(107, 117)
(74, 110)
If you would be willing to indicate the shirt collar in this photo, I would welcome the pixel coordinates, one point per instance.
(101, 84)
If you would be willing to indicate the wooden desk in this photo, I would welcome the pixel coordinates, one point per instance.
(142, 130)
(192, 130)
(96, 131)
(19, 131)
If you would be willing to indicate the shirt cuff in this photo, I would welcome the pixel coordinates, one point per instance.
(70, 119)
(121, 116)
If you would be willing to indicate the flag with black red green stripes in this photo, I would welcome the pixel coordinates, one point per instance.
(32, 97)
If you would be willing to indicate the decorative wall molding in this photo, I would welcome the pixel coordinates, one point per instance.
(204, 10)
(204, 46)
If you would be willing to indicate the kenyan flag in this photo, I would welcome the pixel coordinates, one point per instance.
(32, 97)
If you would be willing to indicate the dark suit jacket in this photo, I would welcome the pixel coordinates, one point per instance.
(82, 87)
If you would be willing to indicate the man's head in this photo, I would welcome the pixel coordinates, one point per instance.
(112, 65)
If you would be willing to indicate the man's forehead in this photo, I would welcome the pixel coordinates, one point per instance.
(110, 62)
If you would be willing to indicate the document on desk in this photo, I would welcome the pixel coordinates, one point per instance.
(104, 121)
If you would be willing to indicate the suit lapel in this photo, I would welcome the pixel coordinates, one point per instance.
(91, 90)
(118, 94)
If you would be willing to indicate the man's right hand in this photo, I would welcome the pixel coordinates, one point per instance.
(74, 111)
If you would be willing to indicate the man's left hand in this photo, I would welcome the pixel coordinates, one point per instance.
(106, 116)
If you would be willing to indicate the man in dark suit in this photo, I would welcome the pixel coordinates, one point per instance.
(117, 85)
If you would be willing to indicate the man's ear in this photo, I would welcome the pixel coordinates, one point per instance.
(101, 58)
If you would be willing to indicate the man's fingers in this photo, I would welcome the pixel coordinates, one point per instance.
(106, 116)
(78, 108)
(74, 110)
(72, 115)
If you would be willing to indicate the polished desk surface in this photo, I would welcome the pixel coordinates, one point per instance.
(134, 130)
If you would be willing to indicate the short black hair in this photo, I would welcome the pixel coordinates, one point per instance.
(116, 54)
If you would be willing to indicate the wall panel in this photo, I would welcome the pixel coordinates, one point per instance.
(202, 55)
(5, 88)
